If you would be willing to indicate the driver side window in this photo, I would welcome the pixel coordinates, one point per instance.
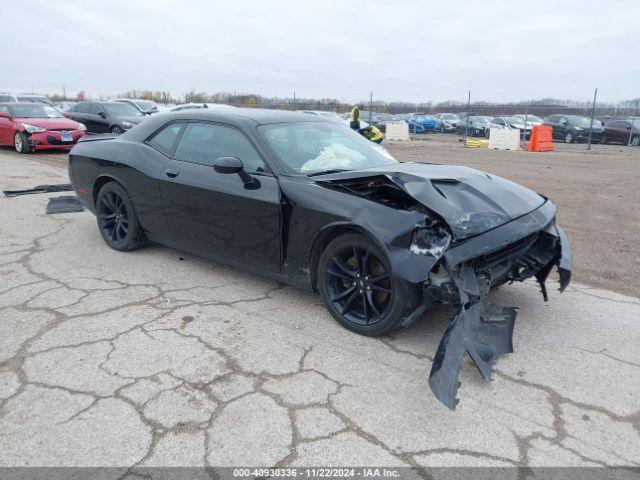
(94, 109)
(204, 143)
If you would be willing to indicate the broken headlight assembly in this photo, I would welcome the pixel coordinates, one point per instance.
(33, 128)
(432, 241)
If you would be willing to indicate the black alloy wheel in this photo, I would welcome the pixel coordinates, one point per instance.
(117, 219)
(358, 288)
(113, 218)
(116, 130)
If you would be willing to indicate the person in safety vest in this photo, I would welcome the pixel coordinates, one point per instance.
(372, 133)
(355, 117)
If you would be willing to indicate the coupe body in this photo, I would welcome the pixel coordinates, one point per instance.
(37, 126)
(310, 202)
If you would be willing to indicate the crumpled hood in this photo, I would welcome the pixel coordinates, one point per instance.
(470, 201)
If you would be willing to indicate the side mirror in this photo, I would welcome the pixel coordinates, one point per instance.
(226, 165)
(102, 114)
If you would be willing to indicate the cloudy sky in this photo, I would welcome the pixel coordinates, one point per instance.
(402, 50)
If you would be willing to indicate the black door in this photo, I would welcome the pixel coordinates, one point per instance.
(215, 213)
(97, 118)
(79, 113)
(564, 127)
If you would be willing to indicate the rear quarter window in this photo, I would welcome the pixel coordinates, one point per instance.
(166, 138)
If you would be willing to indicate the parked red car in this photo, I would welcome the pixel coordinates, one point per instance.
(36, 126)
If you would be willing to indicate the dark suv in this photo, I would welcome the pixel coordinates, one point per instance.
(574, 128)
(105, 117)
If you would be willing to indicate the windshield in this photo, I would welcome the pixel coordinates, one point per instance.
(530, 118)
(314, 147)
(34, 111)
(146, 104)
(514, 120)
(580, 121)
(449, 116)
(121, 109)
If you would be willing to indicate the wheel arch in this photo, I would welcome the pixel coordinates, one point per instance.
(325, 236)
(101, 181)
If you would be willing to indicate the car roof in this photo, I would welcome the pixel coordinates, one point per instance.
(246, 118)
(257, 115)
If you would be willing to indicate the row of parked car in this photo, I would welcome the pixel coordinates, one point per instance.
(32, 122)
(567, 128)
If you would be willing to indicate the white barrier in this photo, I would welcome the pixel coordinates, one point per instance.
(504, 138)
(397, 131)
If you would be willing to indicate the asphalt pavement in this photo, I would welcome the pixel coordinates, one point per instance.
(157, 357)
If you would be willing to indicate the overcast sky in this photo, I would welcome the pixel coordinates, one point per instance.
(402, 50)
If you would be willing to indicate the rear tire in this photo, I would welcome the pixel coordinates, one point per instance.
(21, 143)
(359, 289)
(117, 220)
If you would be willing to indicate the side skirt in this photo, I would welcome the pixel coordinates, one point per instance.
(277, 276)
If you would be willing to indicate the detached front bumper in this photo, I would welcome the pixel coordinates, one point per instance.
(55, 139)
(527, 247)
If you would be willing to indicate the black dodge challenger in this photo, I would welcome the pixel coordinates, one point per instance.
(312, 203)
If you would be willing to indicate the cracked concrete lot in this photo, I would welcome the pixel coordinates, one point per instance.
(158, 357)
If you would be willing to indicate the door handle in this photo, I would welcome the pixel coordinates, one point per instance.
(172, 173)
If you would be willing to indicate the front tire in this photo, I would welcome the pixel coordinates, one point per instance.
(358, 288)
(635, 141)
(117, 220)
(116, 130)
(568, 138)
(21, 143)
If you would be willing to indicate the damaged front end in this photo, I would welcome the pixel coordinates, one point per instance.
(478, 232)
(466, 273)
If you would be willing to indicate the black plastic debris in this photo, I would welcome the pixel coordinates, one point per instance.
(63, 187)
(64, 204)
